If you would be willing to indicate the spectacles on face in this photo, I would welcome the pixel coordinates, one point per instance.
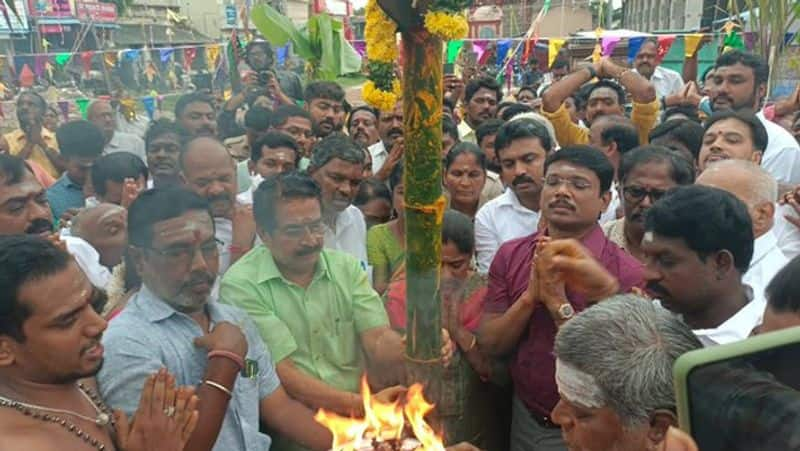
(576, 183)
(298, 231)
(637, 194)
(182, 256)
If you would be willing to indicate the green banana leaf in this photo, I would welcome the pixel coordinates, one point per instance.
(279, 29)
(321, 41)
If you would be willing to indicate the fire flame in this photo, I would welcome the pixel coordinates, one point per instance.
(382, 422)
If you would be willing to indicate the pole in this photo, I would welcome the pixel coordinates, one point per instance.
(424, 204)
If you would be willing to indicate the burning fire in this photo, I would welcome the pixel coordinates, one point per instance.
(383, 422)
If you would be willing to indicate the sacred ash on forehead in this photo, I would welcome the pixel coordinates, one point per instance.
(578, 387)
(648, 237)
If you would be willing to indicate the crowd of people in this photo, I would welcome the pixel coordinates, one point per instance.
(229, 272)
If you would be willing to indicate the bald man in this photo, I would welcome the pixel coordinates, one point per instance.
(209, 170)
(759, 191)
(102, 114)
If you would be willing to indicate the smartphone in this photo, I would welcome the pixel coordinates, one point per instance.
(742, 396)
(449, 69)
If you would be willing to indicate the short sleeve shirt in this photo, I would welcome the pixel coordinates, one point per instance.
(532, 362)
(318, 326)
(149, 335)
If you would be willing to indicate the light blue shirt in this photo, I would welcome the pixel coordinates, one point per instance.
(149, 334)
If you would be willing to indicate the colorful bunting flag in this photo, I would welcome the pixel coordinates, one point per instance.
(26, 76)
(597, 53)
(149, 103)
(83, 105)
(360, 47)
(165, 54)
(552, 50)
(131, 55)
(502, 51)
(664, 43)
(86, 60)
(479, 47)
(634, 44)
(453, 49)
(212, 54)
(691, 42)
(530, 47)
(608, 44)
(63, 58)
(63, 105)
(188, 58)
(39, 65)
(110, 58)
(281, 53)
(733, 41)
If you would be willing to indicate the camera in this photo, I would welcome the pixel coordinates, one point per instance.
(264, 77)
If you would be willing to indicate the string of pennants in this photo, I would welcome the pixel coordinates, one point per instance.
(605, 45)
(150, 103)
(26, 68)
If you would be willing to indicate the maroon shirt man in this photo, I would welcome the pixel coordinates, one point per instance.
(516, 324)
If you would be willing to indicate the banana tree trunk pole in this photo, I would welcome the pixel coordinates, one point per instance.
(424, 204)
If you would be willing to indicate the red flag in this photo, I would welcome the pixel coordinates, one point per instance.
(530, 46)
(664, 43)
(188, 58)
(86, 60)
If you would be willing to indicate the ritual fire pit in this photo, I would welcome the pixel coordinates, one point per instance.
(397, 426)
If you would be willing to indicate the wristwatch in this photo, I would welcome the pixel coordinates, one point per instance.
(565, 311)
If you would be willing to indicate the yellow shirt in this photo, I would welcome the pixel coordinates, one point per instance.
(17, 140)
(568, 133)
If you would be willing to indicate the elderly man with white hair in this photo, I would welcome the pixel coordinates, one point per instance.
(759, 191)
(614, 374)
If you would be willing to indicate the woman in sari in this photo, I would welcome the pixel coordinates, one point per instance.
(386, 242)
(471, 409)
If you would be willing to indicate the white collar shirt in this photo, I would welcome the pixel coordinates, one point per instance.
(379, 155)
(782, 155)
(349, 234)
(787, 234)
(501, 219)
(767, 261)
(126, 142)
(738, 327)
(666, 81)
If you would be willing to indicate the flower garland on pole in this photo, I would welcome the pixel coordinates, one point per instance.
(444, 18)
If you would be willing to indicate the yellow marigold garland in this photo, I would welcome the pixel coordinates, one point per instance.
(383, 89)
(446, 25)
(380, 99)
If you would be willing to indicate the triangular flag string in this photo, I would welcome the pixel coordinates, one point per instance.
(691, 43)
(664, 44)
(552, 50)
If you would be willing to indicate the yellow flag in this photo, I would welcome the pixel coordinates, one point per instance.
(552, 50)
(690, 44)
(110, 59)
(212, 53)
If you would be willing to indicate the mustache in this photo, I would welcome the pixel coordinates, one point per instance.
(523, 178)
(309, 251)
(656, 290)
(197, 278)
(396, 131)
(561, 203)
(39, 226)
(91, 345)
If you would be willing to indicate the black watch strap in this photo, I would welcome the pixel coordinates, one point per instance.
(592, 72)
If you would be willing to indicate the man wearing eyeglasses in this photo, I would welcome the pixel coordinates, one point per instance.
(645, 174)
(314, 307)
(519, 322)
(175, 321)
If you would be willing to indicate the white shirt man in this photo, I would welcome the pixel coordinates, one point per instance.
(379, 155)
(782, 155)
(666, 81)
(126, 142)
(739, 326)
(787, 234)
(349, 234)
(767, 261)
(500, 220)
